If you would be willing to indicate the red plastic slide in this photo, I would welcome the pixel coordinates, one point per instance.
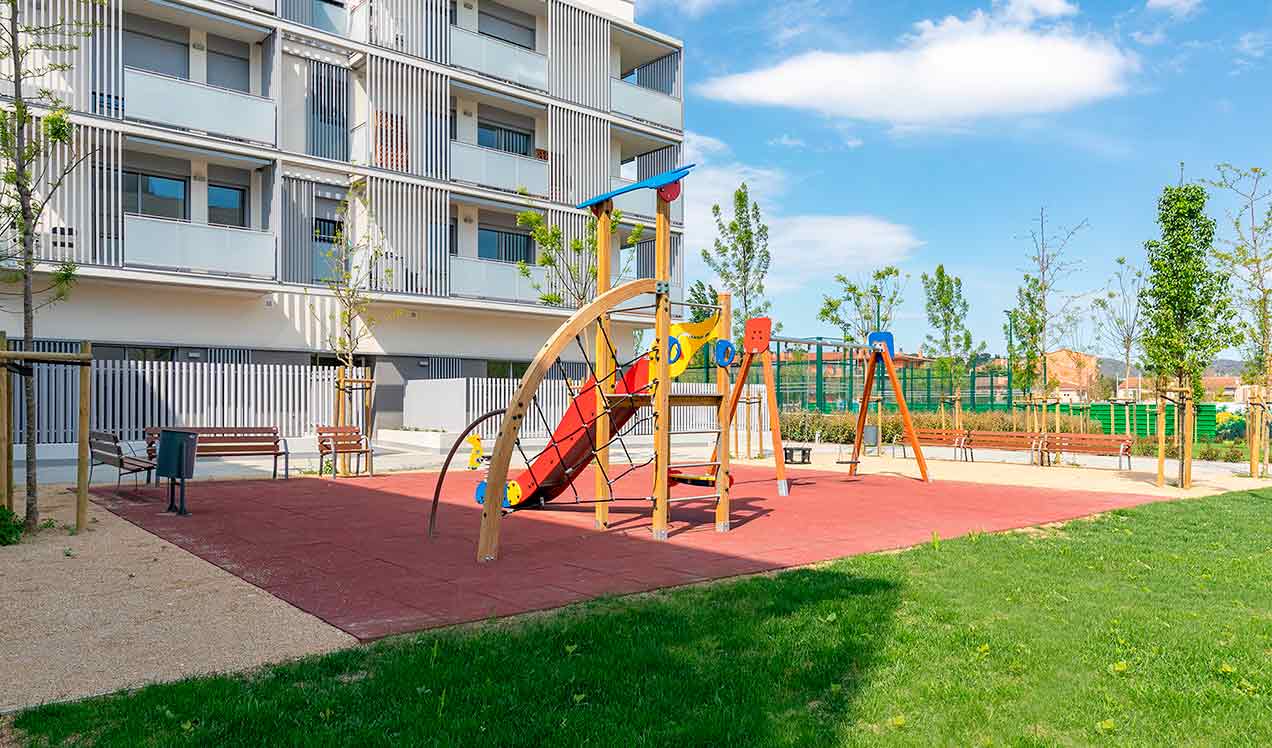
(552, 472)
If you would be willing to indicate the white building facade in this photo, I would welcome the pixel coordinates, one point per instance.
(220, 139)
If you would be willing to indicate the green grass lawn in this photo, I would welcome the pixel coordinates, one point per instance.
(1151, 626)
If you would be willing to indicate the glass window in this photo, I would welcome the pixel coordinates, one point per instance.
(499, 28)
(326, 232)
(227, 206)
(454, 236)
(157, 55)
(504, 246)
(151, 195)
(506, 369)
(505, 139)
(228, 71)
(151, 354)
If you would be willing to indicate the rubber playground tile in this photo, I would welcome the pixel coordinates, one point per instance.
(356, 553)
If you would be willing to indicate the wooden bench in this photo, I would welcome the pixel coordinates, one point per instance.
(1015, 441)
(797, 455)
(1091, 444)
(954, 438)
(232, 441)
(105, 449)
(344, 440)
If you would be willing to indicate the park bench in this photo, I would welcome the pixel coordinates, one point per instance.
(1016, 441)
(231, 441)
(1091, 444)
(954, 438)
(334, 441)
(106, 449)
(797, 455)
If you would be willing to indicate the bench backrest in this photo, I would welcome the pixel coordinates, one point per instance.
(221, 440)
(105, 448)
(949, 434)
(1003, 438)
(1088, 442)
(339, 438)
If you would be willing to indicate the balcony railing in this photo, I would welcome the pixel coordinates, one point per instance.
(646, 104)
(168, 244)
(266, 6)
(166, 100)
(498, 59)
(486, 279)
(643, 203)
(325, 16)
(491, 168)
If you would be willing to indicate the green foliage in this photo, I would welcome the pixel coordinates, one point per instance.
(864, 306)
(572, 266)
(1229, 426)
(740, 259)
(1247, 258)
(10, 527)
(840, 428)
(1026, 331)
(947, 308)
(1188, 308)
(701, 293)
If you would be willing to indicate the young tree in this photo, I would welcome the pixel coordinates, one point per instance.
(1050, 265)
(864, 306)
(1188, 315)
(1026, 350)
(704, 294)
(357, 264)
(1247, 257)
(34, 130)
(1118, 313)
(740, 258)
(572, 266)
(947, 308)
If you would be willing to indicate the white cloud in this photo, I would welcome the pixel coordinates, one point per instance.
(803, 246)
(1149, 38)
(1253, 44)
(947, 72)
(1177, 8)
(786, 140)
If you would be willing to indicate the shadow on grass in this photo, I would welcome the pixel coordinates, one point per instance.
(761, 661)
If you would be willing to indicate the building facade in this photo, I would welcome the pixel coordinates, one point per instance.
(220, 140)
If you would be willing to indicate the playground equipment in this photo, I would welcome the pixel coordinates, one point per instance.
(608, 400)
(879, 345)
(19, 362)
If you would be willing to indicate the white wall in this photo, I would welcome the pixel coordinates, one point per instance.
(116, 312)
(624, 9)
(293, 84)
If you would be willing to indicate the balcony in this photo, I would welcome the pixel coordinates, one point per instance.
(319, 14)
(265, 6)
(195, 106)
(163, 243)
(646, 104)
(643, 203)
(487, 279)
(503, 171)
(643, 304)
(498, 59)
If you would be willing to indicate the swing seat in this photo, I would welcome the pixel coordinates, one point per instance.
(704, 480)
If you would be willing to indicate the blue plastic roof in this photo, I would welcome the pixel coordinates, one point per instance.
(653, 183)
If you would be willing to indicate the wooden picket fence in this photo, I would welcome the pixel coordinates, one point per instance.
(554, 396)
(129, 396)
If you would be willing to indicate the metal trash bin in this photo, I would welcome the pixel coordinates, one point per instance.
(176, 463)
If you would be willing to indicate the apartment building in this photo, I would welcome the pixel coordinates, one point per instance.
(220, 139)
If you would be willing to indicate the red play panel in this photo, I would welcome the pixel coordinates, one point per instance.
(354, 553)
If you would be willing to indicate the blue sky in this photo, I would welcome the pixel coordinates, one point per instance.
(932, 132)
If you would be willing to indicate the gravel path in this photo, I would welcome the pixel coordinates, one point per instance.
(116, 607)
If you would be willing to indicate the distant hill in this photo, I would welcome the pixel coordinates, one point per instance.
(1223, 367)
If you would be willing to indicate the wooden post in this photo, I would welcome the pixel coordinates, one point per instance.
(1252, 433)
(775, 423)
(81, 473)
(906, 422)
(605, 364)
(862, 413)
(662, 390)
(1189, 421)
(722, 475)
(6, 433)
(343, 463)
(1161, 439)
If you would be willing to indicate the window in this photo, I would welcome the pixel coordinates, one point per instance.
(228, 63)
(509, 25)
(506, 369)
(507, 139)
(454, 236)
(504, 246)
(328, 134)
(158, 46)
(153, 195)
(150, 354)
(227, 206)
(326, 232)
(329, 16)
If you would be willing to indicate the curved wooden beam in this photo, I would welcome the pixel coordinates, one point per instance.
(497, 478)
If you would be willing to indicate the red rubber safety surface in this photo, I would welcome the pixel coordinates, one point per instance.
(354, 553)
